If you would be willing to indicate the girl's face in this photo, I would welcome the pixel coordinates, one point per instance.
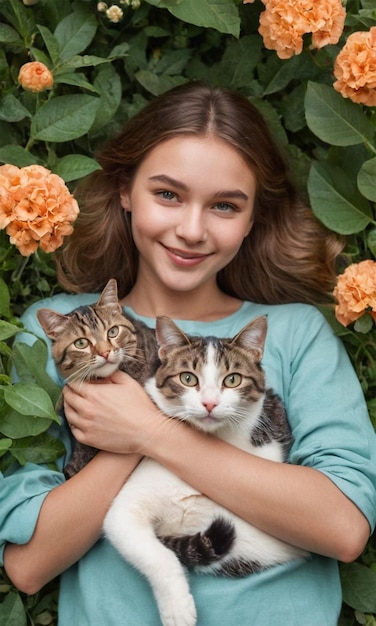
(192, 203)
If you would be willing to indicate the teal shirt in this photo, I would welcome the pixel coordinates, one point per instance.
(309, 368)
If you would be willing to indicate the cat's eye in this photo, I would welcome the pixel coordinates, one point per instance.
(113, 332)
(232, 380)
(188, 379)
(81, 343)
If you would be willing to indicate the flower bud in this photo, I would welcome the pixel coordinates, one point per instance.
(35, 76)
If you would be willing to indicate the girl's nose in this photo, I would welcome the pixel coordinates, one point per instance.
(192, 227)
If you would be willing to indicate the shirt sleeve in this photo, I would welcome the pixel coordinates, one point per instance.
(328, 414)
(22, 494)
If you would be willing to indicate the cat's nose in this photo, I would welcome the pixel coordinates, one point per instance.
(105, 354)
(209, 406)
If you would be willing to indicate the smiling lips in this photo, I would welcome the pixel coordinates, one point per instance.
(184, 257)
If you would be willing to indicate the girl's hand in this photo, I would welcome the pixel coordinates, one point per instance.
(114, 415)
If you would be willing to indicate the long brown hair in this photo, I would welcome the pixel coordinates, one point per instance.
(288, 255)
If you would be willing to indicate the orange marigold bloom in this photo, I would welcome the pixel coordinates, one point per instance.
(356, 292)
(284, 22)
(35, 76)
(36, 208)
(355, 68)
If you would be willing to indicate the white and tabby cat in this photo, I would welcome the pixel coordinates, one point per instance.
(158, 522)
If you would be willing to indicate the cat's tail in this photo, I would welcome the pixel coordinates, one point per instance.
(203, 548)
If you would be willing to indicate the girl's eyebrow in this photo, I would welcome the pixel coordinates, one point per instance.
(167, 180)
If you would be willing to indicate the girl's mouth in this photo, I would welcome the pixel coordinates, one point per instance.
(185, 258)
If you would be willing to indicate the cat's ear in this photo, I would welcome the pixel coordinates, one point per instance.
(252, 337)
(52, 323)
(109, 295)
(168, 335)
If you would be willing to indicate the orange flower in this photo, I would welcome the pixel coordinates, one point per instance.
(356, 292)
(36, 208)
(284, 22)
(35, 76)
(355, 68)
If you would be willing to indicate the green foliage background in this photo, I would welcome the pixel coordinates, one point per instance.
(104, 73)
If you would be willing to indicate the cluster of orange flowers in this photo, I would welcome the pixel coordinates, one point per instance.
(356, 292)
(284, 22)
(355, 68)
(35, 76)
(36, 208)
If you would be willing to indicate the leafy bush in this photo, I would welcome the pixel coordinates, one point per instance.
(105, 66)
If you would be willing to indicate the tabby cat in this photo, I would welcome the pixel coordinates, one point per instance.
(157, 522)
(94, 341)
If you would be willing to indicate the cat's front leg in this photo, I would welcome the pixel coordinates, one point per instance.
(81, 456)
(129, 527)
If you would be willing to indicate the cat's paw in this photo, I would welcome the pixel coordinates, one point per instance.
(182, 614)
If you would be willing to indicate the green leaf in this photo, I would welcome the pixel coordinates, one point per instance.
(108, 85)
(15, 425)
(77, 61)
(335, 201)
(158, 84)
(363, 324)
(367, 179)
(9, 35)
(5, 444)
(11, 110)
(64, 118)
(75, 166)
(6, 329)
(12, 612)
(219, 14)
(371, 241)
(238, 62)
(30, 399)
(76, 79)
(334, 119)
(74, 33)
(359, 587)
(40, 449)
(17, 156)
(4, 302)
(51, 43)
(30, 363)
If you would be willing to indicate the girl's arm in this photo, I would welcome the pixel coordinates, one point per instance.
(295, 503)
(69, 523)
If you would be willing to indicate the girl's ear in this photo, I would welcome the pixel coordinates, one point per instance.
(125, 200)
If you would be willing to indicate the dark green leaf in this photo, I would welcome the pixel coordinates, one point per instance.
(17, 156)
(40, 449)
(359, 587)
(29, 399)
(219, 14)
(64, 118)
(334, 119)
(74, 33)
(11, 110)
(335, 200)
(75, 166)
(367, 179)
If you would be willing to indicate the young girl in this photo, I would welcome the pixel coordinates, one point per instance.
(195, 216)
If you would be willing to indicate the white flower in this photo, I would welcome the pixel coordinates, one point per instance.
(102, 7)
(114, 13)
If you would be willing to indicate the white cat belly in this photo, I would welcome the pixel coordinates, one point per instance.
(156, 502)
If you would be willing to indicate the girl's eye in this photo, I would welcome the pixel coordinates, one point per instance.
(224, 207)
(113, 332)
(188, 379)
(232, 380)
(81, 343)
(166, 195)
